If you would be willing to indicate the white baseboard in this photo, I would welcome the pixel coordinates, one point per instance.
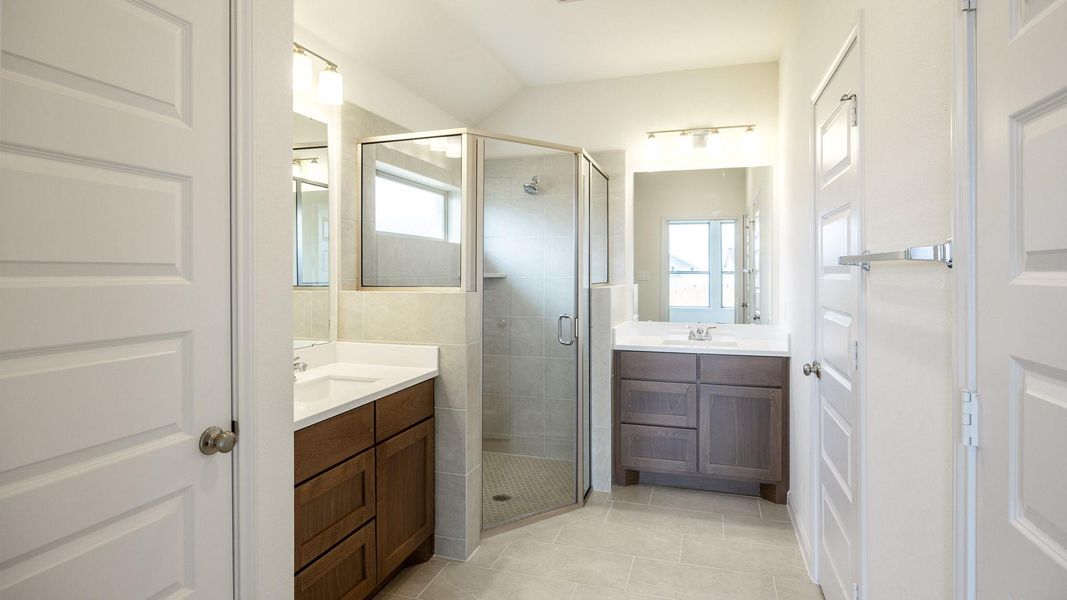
(802, 536)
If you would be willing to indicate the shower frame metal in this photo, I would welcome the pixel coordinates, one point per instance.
(471, 270)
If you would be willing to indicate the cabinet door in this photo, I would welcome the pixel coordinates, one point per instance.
(658, 403)
(658, 448)
(405, 494)
(333, 504)
(741, 432)
(347, 572)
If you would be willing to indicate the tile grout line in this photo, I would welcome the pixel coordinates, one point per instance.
(423, 590)
(629, 574)
(774, 584)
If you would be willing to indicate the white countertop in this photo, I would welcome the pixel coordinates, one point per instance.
(741, 340)
(342, 376)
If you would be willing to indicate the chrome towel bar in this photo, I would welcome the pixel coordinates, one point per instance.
(941, 253)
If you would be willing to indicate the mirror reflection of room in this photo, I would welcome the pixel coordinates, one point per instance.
(311, 232)
(700, 247)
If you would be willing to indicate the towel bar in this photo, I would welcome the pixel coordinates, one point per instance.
(936, 253)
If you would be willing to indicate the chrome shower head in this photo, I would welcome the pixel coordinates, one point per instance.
(533, 187)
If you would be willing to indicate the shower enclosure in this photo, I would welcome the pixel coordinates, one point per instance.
(524, 224)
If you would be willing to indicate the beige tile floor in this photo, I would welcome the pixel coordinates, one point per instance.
(637, 543)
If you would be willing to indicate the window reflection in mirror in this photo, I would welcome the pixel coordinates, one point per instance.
(311, 233)
(412, 215)
(700, 245)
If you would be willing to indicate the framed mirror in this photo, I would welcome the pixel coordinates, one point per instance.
(701, 245)
(311, 233)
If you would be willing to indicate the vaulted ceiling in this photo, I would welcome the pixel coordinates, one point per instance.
(469, 56)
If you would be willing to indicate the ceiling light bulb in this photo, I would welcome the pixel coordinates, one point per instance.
(301, 71)
(454, 150)
(750, 140)
(331, 87)
(439, 144)
(683, 141)
(652, 148)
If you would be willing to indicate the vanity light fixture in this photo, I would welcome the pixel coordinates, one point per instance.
(652, 149)
(331, 84)
(701, 138)
(302, 69)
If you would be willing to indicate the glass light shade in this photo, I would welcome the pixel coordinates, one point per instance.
(297, 171)
(750, 140)
(315, 171)
(700, 140)
(684, 141)
(301, 71)
(331, 87)
(715, 142)
(652, 148)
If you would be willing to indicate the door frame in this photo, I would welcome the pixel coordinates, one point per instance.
(964, 149)
(261, 297)
(810, 547)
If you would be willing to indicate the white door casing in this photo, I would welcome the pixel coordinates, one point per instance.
(115, 288)
(837, 305)
(1021, 288)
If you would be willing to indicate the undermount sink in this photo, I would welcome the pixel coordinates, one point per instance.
(712, 343)
(337, 388)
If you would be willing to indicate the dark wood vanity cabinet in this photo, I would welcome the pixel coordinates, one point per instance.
(364, 496)
(704, 416)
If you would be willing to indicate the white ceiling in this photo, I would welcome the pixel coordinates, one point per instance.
(469, 56)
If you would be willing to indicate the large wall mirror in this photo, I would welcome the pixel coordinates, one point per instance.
(702, 245)
(311, 235)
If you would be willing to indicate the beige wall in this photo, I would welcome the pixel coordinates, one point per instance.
(703, 194)
(905, 104)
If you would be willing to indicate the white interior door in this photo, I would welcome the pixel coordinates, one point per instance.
(1021, 284)
(837, 308)
(114, 288)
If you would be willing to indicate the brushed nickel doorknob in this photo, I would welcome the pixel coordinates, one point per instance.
(214, 439)
(813, 367)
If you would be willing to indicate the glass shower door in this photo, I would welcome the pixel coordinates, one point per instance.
(529, 340)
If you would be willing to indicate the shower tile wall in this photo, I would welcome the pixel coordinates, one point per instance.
(529, 404)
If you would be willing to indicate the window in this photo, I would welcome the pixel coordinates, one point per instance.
(702, 264)
(410, 208)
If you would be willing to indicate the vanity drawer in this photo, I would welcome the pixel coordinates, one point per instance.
(323, 445)
(658, 448)
(658, 366)
(348, 572)
(333, 504)
(760, 371)
(658, 403)
(396, 412)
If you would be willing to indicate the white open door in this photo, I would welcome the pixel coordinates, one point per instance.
(114, 299)
(837, 313)
(1021, 284)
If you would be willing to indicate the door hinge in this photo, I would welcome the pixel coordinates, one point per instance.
(968, 5)
(855, 591)
(853, 117)
(855, 355)
(969, 418)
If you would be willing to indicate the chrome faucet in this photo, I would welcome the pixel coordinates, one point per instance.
(298, 366)
(699, 334)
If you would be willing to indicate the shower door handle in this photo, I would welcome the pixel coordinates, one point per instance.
(570, 329)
